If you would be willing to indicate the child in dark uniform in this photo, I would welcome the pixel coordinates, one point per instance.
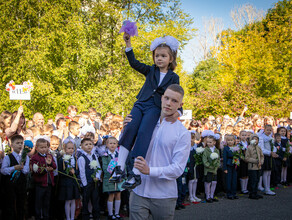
(68, 190)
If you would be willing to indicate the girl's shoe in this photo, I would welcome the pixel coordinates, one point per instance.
(197, 199)
(110, 217)
(191, 199)
(209, 200)
(261, 189)
(118, 217)
(270, 193)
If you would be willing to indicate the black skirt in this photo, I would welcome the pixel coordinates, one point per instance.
(210, 177)
(268, 163)
(69, 192)
(243, 169)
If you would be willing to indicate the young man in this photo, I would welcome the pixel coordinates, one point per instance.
(165, 161)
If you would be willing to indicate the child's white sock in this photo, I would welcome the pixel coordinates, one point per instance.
(67, 209)
(117, 206)
(265, 180)
(73, 209)
(207, 190)
(213, 187)
(190, 186)
(260, 184)
(195, 188)
(269, 180)
(135, 171)
(110, 207)
(123, 155)
(245, 183)
(242, 183)
(284, 174)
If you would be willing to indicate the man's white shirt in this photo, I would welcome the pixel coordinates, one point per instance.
(167, 156)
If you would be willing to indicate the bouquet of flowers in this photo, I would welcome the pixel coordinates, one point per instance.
(288, 150)
(214, 156)
(237, 154)
(94, 166)
(28, 145)
(198, 155)
(129, 28)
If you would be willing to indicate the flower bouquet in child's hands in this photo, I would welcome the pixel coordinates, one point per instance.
(94, 166)
(69, 169)
(198, 155)
(28, 145)
(288, 150)
(129, 28)
(214, 156)
(237, 154)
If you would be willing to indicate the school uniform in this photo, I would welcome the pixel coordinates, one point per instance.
(147, 108)
(44, 182)
(68, 186)
(276, 172)
(243, 168)
(107, 186)
(210, 172)
(284, 142)
(76, 139)
(231, 176)
(15, 187)
(90, 188)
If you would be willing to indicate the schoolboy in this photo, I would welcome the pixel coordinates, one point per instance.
(43, 165)
(90, 171)
(74, 132)
(15, 186)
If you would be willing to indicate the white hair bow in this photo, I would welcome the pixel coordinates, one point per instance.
(168, 40)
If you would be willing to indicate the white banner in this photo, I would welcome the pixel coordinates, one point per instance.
(187, 114)
(19, 93)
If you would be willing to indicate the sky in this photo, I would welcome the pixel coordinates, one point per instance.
(202, 10)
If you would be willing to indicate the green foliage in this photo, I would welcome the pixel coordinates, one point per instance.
(254, 68)
(72, 52)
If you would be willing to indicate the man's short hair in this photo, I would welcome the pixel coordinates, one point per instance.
(176, 88)
(16, 137)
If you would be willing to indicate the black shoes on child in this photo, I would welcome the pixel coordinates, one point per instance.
(130, 185)
(117, 175)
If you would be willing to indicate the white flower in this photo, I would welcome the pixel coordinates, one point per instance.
(35, 168)
(235, 149)
(66, 157)
(200, 150)
(253, 142)
(93, 164)
(214, 156)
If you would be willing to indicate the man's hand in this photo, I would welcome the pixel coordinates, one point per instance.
(172, 118)
(142, 166)
(127, 120)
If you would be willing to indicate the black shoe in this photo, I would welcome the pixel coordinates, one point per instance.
(110, 217)
(182, 206)
(230, 197)
(259, 196)
(215, 200)
(177, 207)
(119, 175)
(209, 200)
(253, 197)
(286, 184)
(137, 178)
(235, 197)
(118, 217)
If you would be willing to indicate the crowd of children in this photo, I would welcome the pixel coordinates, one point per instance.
(68, 162)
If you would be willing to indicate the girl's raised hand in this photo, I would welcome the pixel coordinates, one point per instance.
(20, 110)
(127, 39)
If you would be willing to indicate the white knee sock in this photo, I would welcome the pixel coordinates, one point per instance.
(191, 188)
(73, 205)
(265, 180)
(260, 185)
(242, 184)
(269, 180)
(213, 187)
(67, 209)
(207, 190)
(123, 155)
(110, 208)
(284, 174)
(117, 206)
(245, 183)
(195, 188)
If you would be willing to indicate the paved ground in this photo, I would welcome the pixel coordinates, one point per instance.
(275, 207)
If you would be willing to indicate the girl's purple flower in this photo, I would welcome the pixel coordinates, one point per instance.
(129, 28)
